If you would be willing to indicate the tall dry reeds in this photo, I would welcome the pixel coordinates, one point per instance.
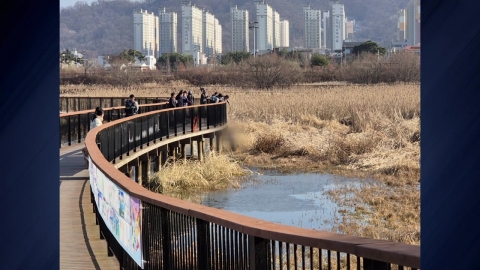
(188, 178)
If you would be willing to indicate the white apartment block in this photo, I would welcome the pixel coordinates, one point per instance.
(284, 34)
(401, 33)
(192, 28)
(264, 32)
(313, 27)
(413, 23)
(208, 33)
(146, 33)
(349, 26)
(326, 29)
(276, 29)
(239, 23)
(168, 31)
(218, 38)
(337, 15)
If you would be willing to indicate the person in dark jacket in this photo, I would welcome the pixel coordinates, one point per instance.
(180, 99)
(172, 103)
(185, 98)
(203, 96)
(131, 106)
(190, 98)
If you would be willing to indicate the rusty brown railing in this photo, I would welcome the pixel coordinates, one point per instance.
(181, 235)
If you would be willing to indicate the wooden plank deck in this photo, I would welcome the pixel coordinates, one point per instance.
(80, 244)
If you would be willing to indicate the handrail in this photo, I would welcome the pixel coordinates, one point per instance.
(260, 233)
(109, 109)
(78, 103)
(74, 126)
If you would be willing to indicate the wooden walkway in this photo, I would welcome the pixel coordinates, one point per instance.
(80, 244)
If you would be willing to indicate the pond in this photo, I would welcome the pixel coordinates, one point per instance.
(296, 200)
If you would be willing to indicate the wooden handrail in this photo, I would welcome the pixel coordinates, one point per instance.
(374, 249)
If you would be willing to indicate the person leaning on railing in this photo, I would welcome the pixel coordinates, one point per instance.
(131, 106)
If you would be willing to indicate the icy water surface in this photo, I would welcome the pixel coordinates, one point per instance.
(296, 200)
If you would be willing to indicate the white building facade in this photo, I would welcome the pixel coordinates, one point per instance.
(276, 29)
(312, 27)
(208, 33)
(284, 34)
(239, 23)
(217, 48)
(337, 18)
(264, 32)
(413, 23)
(192, 28)
(146, 33)
(401, 33)
(326, 29)
(168, 31)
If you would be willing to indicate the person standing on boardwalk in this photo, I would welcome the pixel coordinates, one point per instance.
(190, 98)
(131, 106)
(203, 96)
(180, 99)
(172, 103)
(98, 120)
(185, 98)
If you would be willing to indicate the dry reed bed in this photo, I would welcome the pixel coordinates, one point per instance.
(357, 131)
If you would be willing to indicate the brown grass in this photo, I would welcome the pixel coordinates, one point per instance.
(187, 179)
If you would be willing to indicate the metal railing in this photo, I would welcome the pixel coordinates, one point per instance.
(74, 126)
(181, 235)
(72, 104)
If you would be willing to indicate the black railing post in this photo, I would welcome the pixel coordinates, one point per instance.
(90, 103)
(66, 101)
(200, 110)
(146, 224)
(192, 118)
(79, 135)
(111, 102)
(208, 116)
(134, 135)
(184, 119)
(258, 253)
(203, 245)
(369, 264)
(141, 133)
(69, 131)
(175, 115)
(215, 112)
(101, 102)
(166, 238)
(115, 128)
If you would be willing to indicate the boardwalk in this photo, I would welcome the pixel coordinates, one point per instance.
(80, 244)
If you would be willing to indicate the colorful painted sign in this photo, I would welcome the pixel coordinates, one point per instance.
(120, 212)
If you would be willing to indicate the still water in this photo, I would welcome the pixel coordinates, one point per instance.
(295, 200)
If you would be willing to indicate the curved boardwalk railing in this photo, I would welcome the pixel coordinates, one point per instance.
(74, 126)
(71, 104)
(176, 234)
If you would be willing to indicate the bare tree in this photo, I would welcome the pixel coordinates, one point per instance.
(267, 71)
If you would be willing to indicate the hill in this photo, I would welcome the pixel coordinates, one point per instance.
(107, 26)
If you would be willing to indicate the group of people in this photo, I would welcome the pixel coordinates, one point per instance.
(184, 99)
